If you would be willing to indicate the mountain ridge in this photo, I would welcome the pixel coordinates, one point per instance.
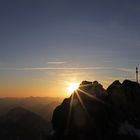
(93, 112)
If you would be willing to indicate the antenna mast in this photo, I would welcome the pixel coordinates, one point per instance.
(137, 79)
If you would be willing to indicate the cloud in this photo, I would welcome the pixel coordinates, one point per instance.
(126, 70)
(107, 61)
(65, 68)
(55, 68)
(56, 62)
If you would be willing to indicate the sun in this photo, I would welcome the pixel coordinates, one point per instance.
(72, 87)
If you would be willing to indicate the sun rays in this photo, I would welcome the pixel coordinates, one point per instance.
(69, 113)
(82, 104)
(91, 96)
(76, 96)
(72, 86)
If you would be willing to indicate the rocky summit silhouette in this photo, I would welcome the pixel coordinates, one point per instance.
(92, 112)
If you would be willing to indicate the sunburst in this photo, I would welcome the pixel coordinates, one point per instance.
(72, 86)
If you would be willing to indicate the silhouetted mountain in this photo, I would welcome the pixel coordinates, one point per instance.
(92, 112)
(23, 114)
(21, 124)
(42, 106)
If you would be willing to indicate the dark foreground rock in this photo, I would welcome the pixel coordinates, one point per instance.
(93, 113)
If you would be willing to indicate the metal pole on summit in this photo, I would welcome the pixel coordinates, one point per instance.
(137, 75)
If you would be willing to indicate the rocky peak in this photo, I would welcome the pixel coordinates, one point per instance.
(95, 113)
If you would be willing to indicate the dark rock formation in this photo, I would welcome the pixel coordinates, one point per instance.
(92, 112)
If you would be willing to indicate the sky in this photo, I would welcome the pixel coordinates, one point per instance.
(46, 44)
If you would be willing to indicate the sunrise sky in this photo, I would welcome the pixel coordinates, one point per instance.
(46, 44)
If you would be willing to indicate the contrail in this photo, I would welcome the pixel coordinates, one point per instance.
(65, 68)
(53, 68)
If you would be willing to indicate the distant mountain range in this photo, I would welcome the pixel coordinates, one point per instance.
(90, 113)
(42, 106)
(26, 118)
(21, 124)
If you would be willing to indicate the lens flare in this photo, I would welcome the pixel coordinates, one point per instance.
(72, 87)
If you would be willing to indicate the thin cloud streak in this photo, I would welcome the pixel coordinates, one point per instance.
(65, 68)
(56, 62)
(126, 70)
(55, 68)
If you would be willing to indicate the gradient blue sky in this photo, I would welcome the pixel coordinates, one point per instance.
(45, 43)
